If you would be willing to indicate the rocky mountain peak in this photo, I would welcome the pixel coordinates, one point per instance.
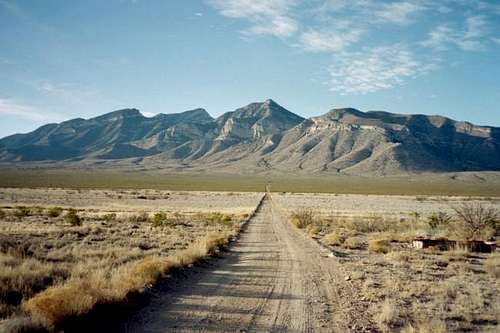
(265, 135)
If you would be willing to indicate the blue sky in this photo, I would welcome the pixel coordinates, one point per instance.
(67, 59)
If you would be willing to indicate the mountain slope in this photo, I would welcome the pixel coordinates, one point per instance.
(265, 136)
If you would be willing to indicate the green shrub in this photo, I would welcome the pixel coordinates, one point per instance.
(22, 211)
(214, 218)
(439, 219)
(159, 219)
(72, 217)
(109, 217)
(54, 211)
(2, 214)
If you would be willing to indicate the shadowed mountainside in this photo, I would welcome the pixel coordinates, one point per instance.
(262, 137)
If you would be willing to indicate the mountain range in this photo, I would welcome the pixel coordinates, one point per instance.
(262, 137)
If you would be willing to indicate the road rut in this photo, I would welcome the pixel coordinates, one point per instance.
(274, 279)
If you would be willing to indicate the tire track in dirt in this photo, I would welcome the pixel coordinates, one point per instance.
(273, 280)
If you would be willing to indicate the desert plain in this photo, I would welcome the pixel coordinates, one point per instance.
(277, 261)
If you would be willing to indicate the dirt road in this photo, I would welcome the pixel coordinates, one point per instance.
(274, 279)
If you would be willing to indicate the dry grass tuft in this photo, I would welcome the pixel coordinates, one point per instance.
(379, 245)
(399, 256)
(22, 211)
(303, 218)
(426, 326)
(51, 306)
(353, 243)
(387, 317)
(72, 217)
(492, 265)
(54, 211)
(79, 295)
(333, 239)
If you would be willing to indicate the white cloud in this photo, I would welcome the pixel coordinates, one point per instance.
(373, 70)
(468, 39)
(475, 27)
(321, 41)
(267, 17)
(398, 12)
(69, 93)
(12, 108)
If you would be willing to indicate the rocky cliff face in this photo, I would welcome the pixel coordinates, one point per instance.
(265, 136)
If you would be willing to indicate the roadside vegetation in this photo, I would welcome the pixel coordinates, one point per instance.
(57, 263)
(416, 290)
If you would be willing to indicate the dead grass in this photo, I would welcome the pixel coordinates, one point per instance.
(303, 217)
(426, 326)
(423, 290)
(56, 269)
(379, 245)
(333, 239)
(354, 243)
(78, 296)
(386, 316)
(492, 265)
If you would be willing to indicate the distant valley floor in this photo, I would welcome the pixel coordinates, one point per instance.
(464, 183)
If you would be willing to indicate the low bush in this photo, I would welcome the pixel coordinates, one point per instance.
(426, 326)
(379, 245)
(54, 211)
(22, 211)
(353, 243)
(109, 217)
(439, 219)
(399, 256)
(2, 214)
(159, 219)
(492, 265)
(140, 217)
(475, 221)
(303, 218)
(387, 316)
(215, 218)
(72, 217)
(333, 239)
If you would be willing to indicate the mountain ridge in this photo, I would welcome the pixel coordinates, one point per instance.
(263, 136)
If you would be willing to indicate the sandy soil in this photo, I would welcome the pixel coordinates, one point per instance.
(133, 200)
(362, 205)
(274, 280)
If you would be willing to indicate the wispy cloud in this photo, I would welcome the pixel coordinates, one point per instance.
(469, 38)
(69, 93)
(399, 12)
(266, 17)
(332, 41)
(375, 12)
(373, 70)
(11, 107)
